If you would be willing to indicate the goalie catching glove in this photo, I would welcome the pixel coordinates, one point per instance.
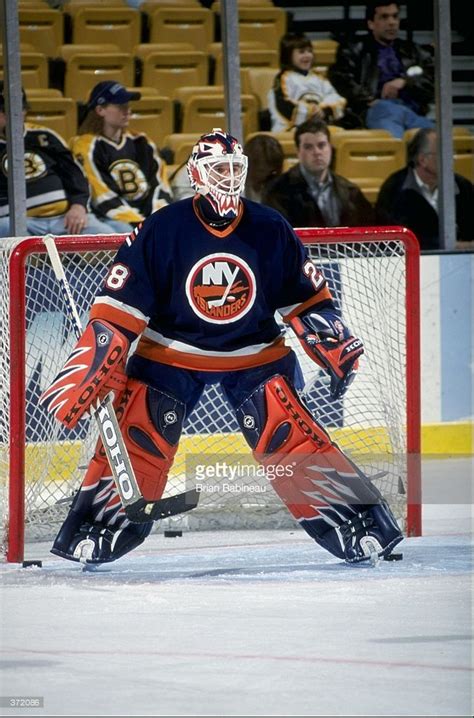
(95, 367)
(331, 345)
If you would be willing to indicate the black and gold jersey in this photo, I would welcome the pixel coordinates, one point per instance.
(128, 179)
(54, 180)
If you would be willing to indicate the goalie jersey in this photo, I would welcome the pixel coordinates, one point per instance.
(203, 298)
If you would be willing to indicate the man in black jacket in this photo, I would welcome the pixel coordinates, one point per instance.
(387, 82)
(309, 194)
(409, 197)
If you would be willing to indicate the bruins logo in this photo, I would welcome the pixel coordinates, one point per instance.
(130, 178)
(35, 166)
(221, 288)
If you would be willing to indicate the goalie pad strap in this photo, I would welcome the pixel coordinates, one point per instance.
(94, 367)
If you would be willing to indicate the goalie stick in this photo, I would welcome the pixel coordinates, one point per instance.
(137, 508)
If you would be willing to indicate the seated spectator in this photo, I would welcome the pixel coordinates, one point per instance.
(409, 197)
(298, 91)
(180, 184)
(309, 194)
(127, 176)
(57, 193)
(388, 82)
(265, 163)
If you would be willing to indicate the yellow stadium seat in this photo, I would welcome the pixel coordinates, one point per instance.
(286, 140)
(39, 92)
(34, 69)
(68, 51)
(43, 28)
(194, 25)
(144, 49)
(121, 26)
(266, 24)
(339, 134)
(203, 112)
(168, 71)
(248, 58)
(260, 83)
(57, 113)
(72, 6)
(153, 116)
(150, 5)
(324, 54)
(458, 130)
(181, 144)
(376, 157)
(85, 70)
(144, 91)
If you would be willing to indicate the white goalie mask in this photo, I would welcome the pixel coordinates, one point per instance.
(217, 169)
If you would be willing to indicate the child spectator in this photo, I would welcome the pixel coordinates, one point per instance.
(298, 92)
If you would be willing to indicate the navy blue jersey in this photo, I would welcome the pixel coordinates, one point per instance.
(204, 298)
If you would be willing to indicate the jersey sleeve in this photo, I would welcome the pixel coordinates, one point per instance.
(162, 192)
(304, 284)
(70, 172)
(128, 296)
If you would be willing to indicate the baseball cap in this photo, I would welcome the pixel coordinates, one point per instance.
(110, 93)
(2, 98)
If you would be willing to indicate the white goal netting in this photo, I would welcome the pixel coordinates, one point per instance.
(369, 282)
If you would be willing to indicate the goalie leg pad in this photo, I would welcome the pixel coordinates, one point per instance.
(320, 486)
(151, 422)
(96, 529)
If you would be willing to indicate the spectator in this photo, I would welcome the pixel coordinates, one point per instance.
(409, 197)
(127, 177)
(180, 184)
(388, 82)
(298, 91)
(309, 194)
(265, 163)
(57, 192)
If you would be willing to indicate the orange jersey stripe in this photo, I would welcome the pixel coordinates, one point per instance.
(118, 317)
(157, 352)
(321, 296)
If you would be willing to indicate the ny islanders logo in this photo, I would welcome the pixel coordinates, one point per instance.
(221, 288)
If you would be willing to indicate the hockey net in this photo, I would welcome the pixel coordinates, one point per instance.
(373, 274)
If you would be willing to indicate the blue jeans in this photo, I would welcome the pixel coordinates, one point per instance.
(394, 116)
(39, 226)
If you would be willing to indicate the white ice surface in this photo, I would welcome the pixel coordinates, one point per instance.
(246, 623)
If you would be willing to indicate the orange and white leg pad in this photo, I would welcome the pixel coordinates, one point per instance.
(96, 527)
(332, 499)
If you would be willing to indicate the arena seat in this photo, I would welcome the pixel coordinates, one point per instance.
(85, 70)
(121, 26)
(168, 71)
(153, 116)
(57, 113)
(373, 157)
(193, 25)
(43, 28)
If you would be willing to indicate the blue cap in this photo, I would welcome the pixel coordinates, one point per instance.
(110, 93)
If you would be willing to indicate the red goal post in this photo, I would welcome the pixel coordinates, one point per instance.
(374, 276)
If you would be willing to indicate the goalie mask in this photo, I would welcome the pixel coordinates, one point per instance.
(217, 168)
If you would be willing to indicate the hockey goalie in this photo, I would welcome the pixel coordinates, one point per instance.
(189, 300)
